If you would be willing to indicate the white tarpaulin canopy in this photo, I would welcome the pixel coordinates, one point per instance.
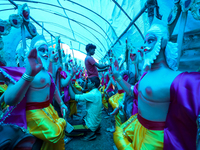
(100, 22)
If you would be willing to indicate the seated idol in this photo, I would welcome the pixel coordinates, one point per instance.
(31, 95)
(166, 104)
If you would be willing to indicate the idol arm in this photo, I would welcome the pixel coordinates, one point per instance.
(58, 97)
(112, 80)
(65, 82)
(108, 85)
(71, 92)
(128, 88)
(16, 92)
(50, 68)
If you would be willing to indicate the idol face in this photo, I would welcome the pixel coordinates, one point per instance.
(43, 54)
(43, 51)
(150, 41)
(151, 50)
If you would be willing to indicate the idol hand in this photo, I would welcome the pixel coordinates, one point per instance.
(64, 109)
(33, 63)
(54, 56)
(116, 73)
(73, 71)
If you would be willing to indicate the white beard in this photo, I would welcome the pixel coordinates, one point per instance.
(45, 63)
(151, 56)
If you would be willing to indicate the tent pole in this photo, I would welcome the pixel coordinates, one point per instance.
(181, 34)
(23, 37)
(129, 18)
(23, 45)
(131, 23)
(42, 28)
(172, 26)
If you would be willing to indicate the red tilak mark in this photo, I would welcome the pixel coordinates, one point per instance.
(148, 90)
(126, 41)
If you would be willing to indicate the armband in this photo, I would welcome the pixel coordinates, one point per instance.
(131, 90)
(27, 77)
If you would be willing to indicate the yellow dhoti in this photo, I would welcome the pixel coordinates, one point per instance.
(132, 135)
(72, 107)
(104, 102)
(3, 88)
(114, 102)
(47, 126)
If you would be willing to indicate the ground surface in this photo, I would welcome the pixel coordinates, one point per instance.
(104, 140)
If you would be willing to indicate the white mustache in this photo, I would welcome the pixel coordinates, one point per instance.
(44, 55)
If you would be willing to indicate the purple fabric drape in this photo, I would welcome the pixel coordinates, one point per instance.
(181, 128)
(66, 89)
(18, 114)
(14, 72)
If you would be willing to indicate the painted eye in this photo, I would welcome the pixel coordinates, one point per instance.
(150, 41)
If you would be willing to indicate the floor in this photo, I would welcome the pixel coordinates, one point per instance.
(104, 140)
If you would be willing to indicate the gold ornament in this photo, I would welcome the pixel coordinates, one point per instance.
(4, 27)
(15, 20)
(195, 9)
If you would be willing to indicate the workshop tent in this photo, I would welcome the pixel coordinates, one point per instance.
(100, 22)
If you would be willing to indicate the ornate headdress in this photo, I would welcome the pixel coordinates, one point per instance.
(171, 51)
(37, 41)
